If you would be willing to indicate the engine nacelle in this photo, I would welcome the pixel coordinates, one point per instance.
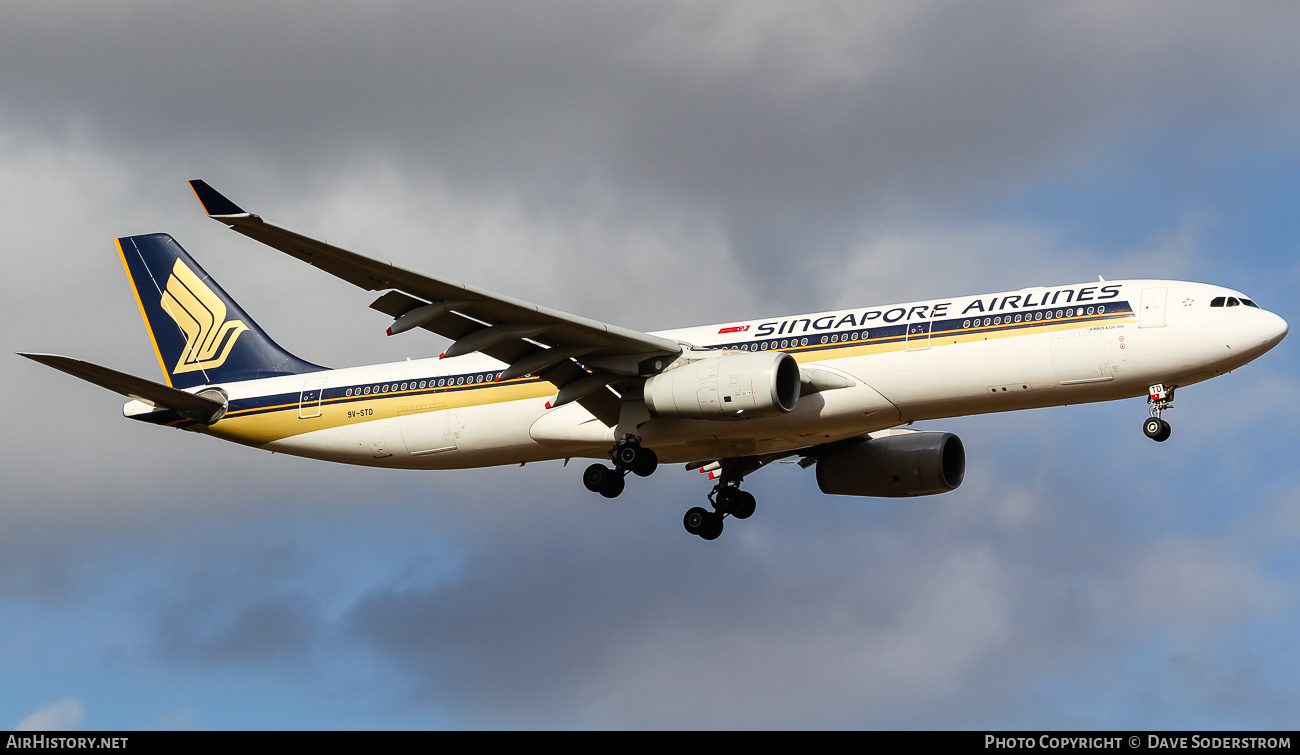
(894, 466)
(728, 386)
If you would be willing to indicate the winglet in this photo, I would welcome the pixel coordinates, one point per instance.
(214, 203)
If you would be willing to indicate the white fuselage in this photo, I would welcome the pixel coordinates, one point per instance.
(875, 367)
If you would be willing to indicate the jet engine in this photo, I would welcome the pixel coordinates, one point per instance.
(894, 466)
(734, 385)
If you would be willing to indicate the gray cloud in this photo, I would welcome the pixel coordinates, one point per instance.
(63, 715)
(787, 128)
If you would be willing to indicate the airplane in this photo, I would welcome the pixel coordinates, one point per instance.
(522, 383)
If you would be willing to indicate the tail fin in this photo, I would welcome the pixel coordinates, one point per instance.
(199, 333)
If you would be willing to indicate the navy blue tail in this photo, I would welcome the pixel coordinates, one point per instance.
(200, 334)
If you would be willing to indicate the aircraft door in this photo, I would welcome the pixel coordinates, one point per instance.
(1153, 308)
(309, 400)
(918, 336)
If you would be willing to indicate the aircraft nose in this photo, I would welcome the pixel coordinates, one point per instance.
(1273, 329)
(1267, 331)
(1262, 331)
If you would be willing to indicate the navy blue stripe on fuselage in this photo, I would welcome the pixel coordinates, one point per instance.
(253, 405)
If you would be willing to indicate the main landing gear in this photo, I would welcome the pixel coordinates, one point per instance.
(726, 498)
(628, 456)
(1160, 398)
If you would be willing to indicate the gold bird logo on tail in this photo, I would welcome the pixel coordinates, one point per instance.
(201, 314)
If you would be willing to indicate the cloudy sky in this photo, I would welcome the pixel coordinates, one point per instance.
(654, 165)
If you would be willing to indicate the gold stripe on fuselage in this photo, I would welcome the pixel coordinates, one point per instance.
(266, 424)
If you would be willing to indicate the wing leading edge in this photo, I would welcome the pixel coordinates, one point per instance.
(531, 339)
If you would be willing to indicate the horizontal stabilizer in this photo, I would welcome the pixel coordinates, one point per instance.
(162, 396)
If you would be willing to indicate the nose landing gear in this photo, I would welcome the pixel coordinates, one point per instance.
(1160, 398)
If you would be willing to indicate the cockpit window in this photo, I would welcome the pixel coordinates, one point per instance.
(1232, 301)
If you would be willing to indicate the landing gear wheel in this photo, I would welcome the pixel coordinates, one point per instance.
(743, 505)
(1157, 429)
(626, 455)
(725, 498)
(733, 501)
(632, 457)
(646, 463)
(601, 479)
(595, 476)
(703, 523)
(613, 487)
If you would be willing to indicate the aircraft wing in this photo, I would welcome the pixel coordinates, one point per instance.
(531, 339)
